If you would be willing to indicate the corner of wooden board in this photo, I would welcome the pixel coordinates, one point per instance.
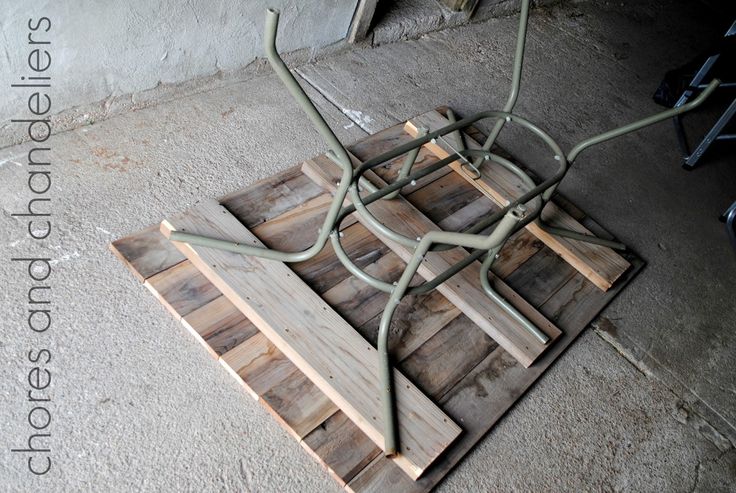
(166, 228)
(410, 128)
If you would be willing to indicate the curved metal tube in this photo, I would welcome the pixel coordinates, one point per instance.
(644, 122)
(508, 307)
(508, 220)
(730, 219)
(341, 155)
(612, 134)
(497, 237)
(515, 78)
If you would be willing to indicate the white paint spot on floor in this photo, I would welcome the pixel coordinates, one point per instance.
(12, 160)
(102, 230)
(350, 125)
(358, 117)
(65, 258)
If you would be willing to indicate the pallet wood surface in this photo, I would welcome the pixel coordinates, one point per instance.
(314, 337)
(602, 265)
(476, 394)
(463, 289)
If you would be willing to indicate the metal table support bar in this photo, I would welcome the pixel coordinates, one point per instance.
(483, 239)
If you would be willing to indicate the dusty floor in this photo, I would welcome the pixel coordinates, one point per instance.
(646, 402)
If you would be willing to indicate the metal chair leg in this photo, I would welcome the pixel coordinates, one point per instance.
(505, 222)
(713, 134)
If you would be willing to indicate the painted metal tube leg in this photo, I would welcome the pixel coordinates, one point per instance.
(508, 220)
(566, 233)
(499, 235)
(338, 151)
(501, 301)
(411, 158)
(729, 217)
(515, 78)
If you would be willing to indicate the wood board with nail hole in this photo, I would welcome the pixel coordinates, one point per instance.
(439, 349)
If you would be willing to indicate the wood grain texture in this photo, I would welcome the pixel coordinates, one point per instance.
(271, 378)
(463, 290)
(219, 326)
(298, 403)
(602, 265)
(477, 399)
(182, 289)
(270, 197)
(146, 253)
(415, 321)
(317, 340)
(324, 270)
(485, 394)
(341, 447)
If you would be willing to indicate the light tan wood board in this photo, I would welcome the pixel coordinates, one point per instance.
(315, 338)
(602, 265)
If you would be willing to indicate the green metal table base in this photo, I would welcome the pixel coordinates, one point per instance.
(484, 239)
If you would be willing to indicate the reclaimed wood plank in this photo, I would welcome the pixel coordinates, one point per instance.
(181, 289)
(444, 196)
(448, 356)
(415, 321)
(270, 197)
(341, 446)
(298, 403)
(146, 253)
(334, 357)
(485, 394)
(358, 301)
(541, 273)
(219, 326)
(324, 270)
(463, 289)
(600, 264)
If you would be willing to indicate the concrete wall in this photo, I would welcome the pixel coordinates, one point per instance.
(106, 50)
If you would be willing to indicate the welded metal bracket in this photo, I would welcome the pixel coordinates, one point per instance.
(505, 222)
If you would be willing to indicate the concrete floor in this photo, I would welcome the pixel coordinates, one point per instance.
(646, 402)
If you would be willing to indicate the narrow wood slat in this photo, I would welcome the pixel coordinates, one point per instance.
(544, 271)
(444, 196)
(356, 301)
(415, 321)
(464, 288)
(298, 403)
(146, 253)
(296, 229)
(600, 264)
(334, 356)
(219, 326)
(271, 378)
(181, 289)
(270, 197)
(258, 363)
(341, 446)
(448, 356)
(324, 270)
(518, 249)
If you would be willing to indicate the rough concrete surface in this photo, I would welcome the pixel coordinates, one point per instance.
(138, 405)
(410, 19)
